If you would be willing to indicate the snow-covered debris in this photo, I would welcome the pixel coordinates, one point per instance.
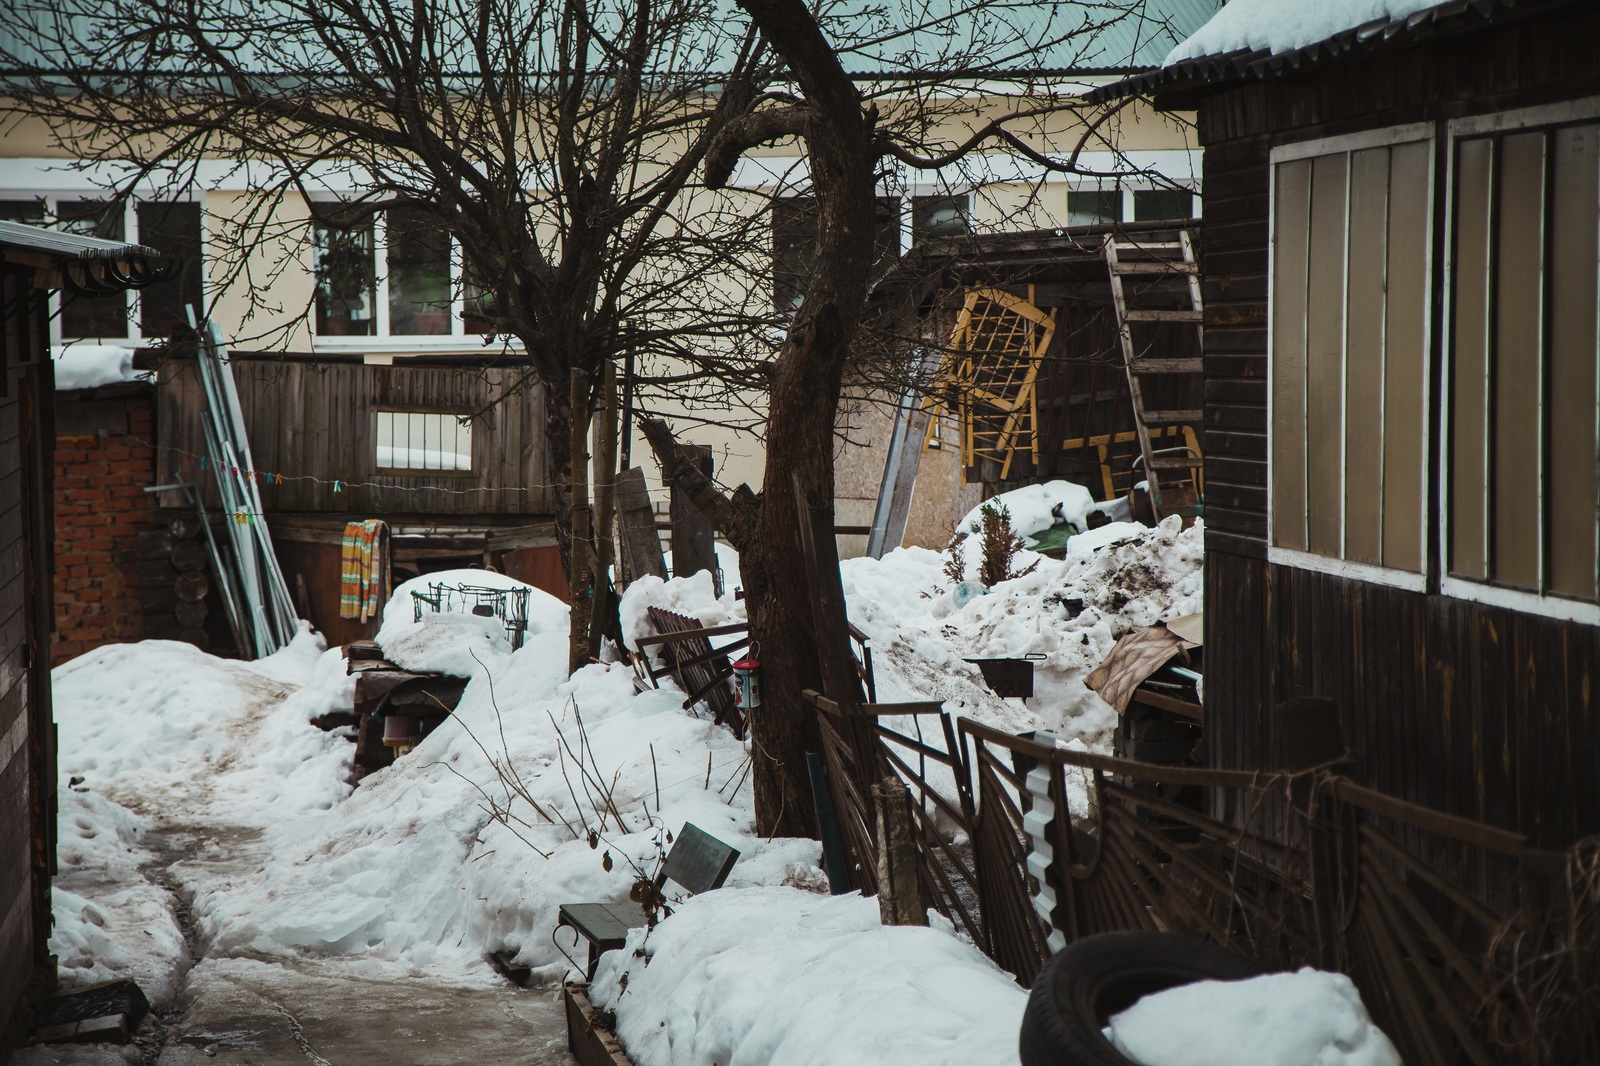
(693, 596)
(1286, 25)
(457, 642)
(88, 366)
(920, 637)
(782, 977)
(1035, 508)
(1281, 1019)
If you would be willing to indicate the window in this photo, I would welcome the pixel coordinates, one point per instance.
(794, 244)
(419, 274)
(1349, 339)
(1154, 205)
(1093, 207)
(1522, 382)
(423, 440)
(347, 280)
(940, 216)
(93, 316)
(173, 229)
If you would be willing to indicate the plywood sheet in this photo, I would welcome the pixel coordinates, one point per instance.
(1325, 310)
(1405, 377)
(1570, 481)
(1291, 229)
(1364, 355)
(1469, 367)
(1518, 339)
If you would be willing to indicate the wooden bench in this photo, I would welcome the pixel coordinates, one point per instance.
(698, 862)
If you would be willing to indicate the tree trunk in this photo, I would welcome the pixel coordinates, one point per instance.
(800, 430)
(580, 569)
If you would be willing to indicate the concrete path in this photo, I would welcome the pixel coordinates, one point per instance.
(243, 1010)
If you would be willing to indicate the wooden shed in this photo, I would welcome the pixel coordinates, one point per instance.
(448, 450)
(32, 263)
(1400, 271)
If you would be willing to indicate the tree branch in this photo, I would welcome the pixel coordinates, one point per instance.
(734, 518)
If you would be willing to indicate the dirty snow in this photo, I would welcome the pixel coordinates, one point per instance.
(1308, 1018)
(1285, 25)
(787, 978)
(920, 637)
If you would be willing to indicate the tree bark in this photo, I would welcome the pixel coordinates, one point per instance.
(580, 568)
(802, 412)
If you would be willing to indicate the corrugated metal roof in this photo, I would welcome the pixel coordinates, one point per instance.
(70, 245)
(1003, 38)
(1455, 16)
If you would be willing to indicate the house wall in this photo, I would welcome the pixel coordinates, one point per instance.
(1482, 711)
(105, 458)
(27, 751)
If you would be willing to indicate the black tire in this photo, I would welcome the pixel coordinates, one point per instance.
(1079, 990)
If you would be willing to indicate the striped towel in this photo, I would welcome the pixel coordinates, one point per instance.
(364, 573)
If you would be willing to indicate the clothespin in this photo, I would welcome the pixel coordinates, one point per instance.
(338, 486)
(202, 462)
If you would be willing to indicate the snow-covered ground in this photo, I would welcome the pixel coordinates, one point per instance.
(544, 789)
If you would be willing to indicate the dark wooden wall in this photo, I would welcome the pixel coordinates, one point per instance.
(1481, 711)
(316, 419)
(27, 746)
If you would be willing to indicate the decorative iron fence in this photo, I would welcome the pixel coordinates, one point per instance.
(1467, 944)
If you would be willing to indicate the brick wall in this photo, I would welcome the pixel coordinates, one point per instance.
(103, 463)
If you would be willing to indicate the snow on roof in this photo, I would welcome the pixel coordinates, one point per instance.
(88, 366)
(1287, 25)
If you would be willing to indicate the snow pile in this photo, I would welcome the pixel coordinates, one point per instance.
(1285, 25)
(693, 596)
(774, 975)
(163, 723)
(1308, 1018)
(88, 366)
(1035, 508)
(920, 637)
(458, 642)
(470, 844)
(110, 921)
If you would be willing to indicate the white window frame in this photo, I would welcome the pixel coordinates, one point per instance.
(1373, 573)
(1526, 601)
(381, 346)
(130, 228)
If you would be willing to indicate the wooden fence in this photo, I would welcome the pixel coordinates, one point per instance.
(1467, 944)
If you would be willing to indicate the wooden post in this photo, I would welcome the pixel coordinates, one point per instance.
(636, 527)
(692, 535)
(900, 900)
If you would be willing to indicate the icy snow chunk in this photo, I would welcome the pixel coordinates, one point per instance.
(1308, 1018)
(1111, 533)
(88, 366)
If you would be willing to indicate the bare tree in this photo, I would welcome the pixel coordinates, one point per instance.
(558, 142)
(850, 136)
(581, 155)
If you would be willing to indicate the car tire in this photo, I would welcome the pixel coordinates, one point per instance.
(1078, 991)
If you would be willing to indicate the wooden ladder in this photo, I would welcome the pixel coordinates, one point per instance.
(1157, 260)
